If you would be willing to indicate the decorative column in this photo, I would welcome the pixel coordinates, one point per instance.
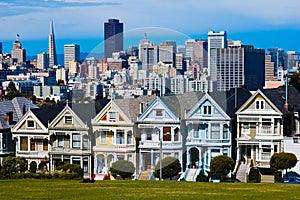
(152, 167)
(188, 158)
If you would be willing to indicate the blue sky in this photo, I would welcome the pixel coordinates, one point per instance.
(267, 23)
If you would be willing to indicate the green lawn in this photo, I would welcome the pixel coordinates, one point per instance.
(64, 189)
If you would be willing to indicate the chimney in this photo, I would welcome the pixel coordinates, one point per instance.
(24, 109)
(141, 107)
(9, 118)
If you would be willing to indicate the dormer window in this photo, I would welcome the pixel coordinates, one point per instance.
(68, 120)
(30, 124)
(260, 105)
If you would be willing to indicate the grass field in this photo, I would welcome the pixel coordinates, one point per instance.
(65, 189)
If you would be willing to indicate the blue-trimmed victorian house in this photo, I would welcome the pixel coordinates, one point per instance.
(160, 130)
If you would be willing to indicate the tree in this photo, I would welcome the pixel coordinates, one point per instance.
(32, 167)
(12, 165)
(281, 161)
(222, 165)
(123, 168)
(170, 168)
(295, 80)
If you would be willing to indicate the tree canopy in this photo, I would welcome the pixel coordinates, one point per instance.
(283, 161)
(12, 165)
(222, 165)
(123, 168)
(170, 167)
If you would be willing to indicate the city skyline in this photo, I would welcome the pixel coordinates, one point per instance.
(251, 22)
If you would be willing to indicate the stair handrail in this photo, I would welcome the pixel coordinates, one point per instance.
(236, 167)
(137, 176)
(150, 176)
(186, 173)
(196, 174)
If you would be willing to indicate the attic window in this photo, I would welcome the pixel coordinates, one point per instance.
(260, 105)
(207, 110)
(158, 113)
(68, 120)
(112, 115)
(30, 124)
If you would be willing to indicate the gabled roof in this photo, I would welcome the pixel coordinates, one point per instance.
(253, 97)
(213, 103)
(230, 101)
(181, 103)
(60, 115)
(131, 107)
(152, 105)
(47, 114)
(278, 96)
(18, 105)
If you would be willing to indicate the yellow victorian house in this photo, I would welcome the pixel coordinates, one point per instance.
(115, 132)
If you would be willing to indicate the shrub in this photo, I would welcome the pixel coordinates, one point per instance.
(32, 167)
(202, 177)
(254, 175)
(277, 176)
(123, 168)
(72, 168)
(170, 167)
(221, 165)
(55, 174)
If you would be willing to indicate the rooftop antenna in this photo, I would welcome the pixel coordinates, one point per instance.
(145, 36)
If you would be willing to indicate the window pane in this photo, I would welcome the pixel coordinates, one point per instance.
(103, 137)
(45, 145)
(68, 119)
(60, 141)
(120, 137)
(166, 133)
(129, 138)
(76, 140)
(23, 143)
(32, 145)
(30, 124)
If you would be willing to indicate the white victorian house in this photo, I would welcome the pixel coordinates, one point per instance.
(208, 133)
(159, 129)
(260, 130)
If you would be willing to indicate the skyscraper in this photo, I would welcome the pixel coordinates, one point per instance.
(0, 47)
(71, 53)
(240, 66)
(215, 40)
(51, 47)
(42, 61)
(113, 37)
(18, 54)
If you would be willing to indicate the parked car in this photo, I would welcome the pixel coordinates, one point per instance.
(291, 180)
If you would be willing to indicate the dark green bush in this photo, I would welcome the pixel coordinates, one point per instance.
(277, 176)
(32, 167)
(55, 175)
(123, 168)
(202, 177)
(72, 168)
(254, 175)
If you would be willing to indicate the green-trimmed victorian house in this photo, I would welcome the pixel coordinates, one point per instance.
(70, 141)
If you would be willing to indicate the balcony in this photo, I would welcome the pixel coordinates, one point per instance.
(33, 153)
(207, 141)
(155, 144)
(266, 130)
(60, 149)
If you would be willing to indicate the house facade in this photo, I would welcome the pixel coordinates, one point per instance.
(70, 142)
(260, 130)
(115, 132)
(160, 132)
(208, 133)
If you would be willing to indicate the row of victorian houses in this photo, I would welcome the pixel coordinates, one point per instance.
(193, 127)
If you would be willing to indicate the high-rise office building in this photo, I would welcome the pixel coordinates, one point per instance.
(18, 54)
(215, 40)
(291, 59)
(277, 56)
(51, 47)
(71, 53)
(0, 47)
(236, 67)
(200, 53)
(269, 69)
(42, 61)
(113, 37)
